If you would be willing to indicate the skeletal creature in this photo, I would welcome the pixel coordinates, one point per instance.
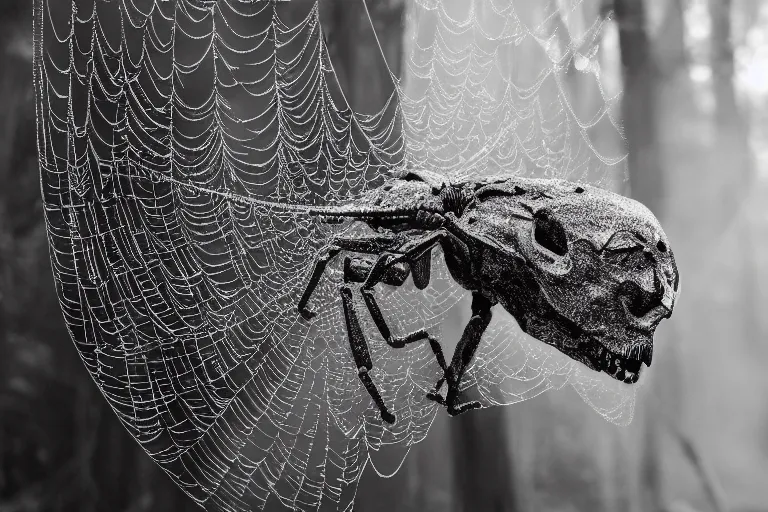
(585, 270)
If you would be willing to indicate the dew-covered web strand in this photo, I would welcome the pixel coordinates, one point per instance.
(230, 313)
(505, 130)
(185, 154)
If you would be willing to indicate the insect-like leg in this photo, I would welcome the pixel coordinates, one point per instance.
(357, 270)
(361, 353)
(417, 255)
(462, 356)
(368, 245)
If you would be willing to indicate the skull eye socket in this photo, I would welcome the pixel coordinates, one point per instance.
(549, 233)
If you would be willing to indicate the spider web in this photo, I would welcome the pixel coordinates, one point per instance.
(183, 145)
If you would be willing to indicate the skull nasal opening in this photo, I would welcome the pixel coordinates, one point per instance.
(549, 233)
(639, 302)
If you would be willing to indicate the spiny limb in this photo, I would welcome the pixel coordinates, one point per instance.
(361, 353)
(421, 269)
(417, 254)
(365, 245)
(317, 272)
(462, 357)
(401, 341)
(395, 276)
(421, 248)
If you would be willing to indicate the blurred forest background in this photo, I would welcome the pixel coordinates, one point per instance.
(695, 108)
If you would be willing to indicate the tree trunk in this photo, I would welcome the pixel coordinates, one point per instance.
(670, 53)
(722, 63)
(483, 471)
(639, 105)
(640, 80)
(482, 468)
(733, 146)
(734, 153)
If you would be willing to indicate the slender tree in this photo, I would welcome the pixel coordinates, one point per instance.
(669, 51)
(639, 104)
(483, 472)
(735, 154)
(640, 101)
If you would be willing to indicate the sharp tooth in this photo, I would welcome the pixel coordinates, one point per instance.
(605, 359)
(599, 359)
(647, 355)
(601, 352)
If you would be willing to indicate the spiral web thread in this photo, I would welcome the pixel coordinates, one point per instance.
(183, 143)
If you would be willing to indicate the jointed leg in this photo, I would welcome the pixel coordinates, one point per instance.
(401, 341)
(462, 356)
(361, 353)
(369, 245)
(416, 254)
(357, 270)
(390, 268)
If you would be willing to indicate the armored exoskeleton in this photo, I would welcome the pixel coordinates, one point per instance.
(585, 270)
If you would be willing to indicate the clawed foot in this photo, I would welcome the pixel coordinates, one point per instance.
(388, 417)
(307, 314)
(455, 410)
(436, 397)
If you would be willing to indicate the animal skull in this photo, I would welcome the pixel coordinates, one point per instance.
(591, 272)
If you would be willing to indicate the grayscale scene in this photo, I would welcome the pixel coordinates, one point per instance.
(383, 255)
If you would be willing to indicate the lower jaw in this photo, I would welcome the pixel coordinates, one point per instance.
(603, 360)
(611, 364)
(625, 376)
(595, 355)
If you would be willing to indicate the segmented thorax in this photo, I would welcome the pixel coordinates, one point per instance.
(400, 199)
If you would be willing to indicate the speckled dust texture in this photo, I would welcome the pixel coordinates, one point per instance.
(583, 269)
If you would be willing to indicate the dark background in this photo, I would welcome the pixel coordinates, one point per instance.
(695, 109)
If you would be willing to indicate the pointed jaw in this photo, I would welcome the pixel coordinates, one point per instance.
(625, 367)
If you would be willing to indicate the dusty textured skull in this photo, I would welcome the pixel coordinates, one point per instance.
(592, 272)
